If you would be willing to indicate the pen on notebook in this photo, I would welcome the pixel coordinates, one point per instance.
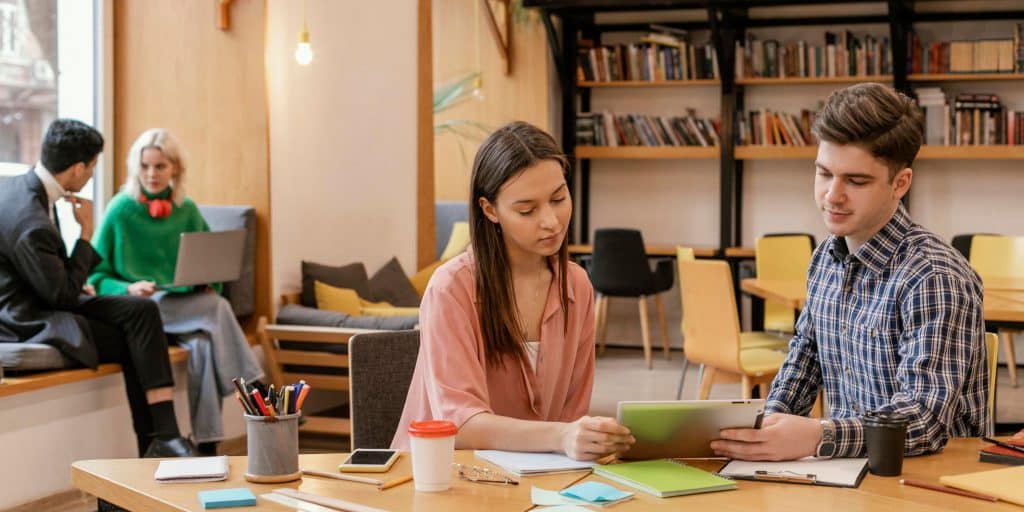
(1004, 445)
(942, 488)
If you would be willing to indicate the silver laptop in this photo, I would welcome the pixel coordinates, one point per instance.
(208, 257)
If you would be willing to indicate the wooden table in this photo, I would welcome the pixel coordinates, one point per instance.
(999, 306)
(651, 250)
(129, 483)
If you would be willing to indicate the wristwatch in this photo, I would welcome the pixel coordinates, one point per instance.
(827, 446)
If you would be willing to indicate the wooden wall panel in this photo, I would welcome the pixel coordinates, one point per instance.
(173, 68)
(522, 96)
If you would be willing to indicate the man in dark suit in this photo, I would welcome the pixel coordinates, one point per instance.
(43, 298)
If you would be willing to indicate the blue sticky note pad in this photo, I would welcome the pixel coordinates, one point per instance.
(224, 498)
(595, 492)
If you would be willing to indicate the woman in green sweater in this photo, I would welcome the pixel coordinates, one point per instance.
(138, 240)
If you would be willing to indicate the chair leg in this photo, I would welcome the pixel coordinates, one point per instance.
(660, 309)
(746, 387)
(818, 409)
(597, 323)
(682, 379)
(645, 331)
(705, 383)
(1009, 352)
(604, 321)
(762, 388)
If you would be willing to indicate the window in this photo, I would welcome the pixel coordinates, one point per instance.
(49, 68)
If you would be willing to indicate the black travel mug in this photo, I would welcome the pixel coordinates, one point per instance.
(885, 434)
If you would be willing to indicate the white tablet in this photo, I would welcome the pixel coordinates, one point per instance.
(684, 428)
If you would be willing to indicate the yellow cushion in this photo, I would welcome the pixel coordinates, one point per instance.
(332, 298)
(761, 361)
(390, 311)
(457, 242)
(760, 339)
(420, 280)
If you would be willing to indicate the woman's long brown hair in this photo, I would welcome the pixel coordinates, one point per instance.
(507, 152)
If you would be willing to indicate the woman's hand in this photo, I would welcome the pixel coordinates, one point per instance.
(142, 288)
(593, 437)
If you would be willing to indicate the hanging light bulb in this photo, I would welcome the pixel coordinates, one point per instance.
(303, 51)
(478, 88)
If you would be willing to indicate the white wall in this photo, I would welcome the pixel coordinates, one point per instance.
(342, 135)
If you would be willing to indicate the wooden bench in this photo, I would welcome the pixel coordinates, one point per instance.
(16, 384)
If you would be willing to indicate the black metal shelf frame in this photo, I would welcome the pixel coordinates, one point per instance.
(728, 21)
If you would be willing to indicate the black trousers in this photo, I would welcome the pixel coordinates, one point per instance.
(127, 330)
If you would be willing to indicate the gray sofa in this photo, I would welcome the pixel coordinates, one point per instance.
(241, 294)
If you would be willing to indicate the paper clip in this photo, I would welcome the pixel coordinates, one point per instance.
(483, 475)
(785, 476)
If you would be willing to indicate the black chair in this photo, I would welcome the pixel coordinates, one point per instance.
(619, 268)
(380, 367)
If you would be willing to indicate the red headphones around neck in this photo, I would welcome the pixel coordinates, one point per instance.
(158, 208)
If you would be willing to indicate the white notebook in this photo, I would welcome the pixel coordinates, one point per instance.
(528, 463)
(832, 472)
(200, 469)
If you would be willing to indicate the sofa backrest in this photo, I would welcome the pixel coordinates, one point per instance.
(242, 293)
(446, 214)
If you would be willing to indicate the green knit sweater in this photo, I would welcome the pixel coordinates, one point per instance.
(137, 247)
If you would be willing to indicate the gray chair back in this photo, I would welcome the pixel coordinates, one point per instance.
(380, 366)
(241, 293)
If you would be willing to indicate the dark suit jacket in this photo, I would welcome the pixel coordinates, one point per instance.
(39, 283)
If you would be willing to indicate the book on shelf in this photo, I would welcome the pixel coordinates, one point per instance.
(612, 129)
(991, 55)
(839, 55)
(765, 127)
(657, 56)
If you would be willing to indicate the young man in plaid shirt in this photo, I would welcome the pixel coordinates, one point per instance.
(893, 320)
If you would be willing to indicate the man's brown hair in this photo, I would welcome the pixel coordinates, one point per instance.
(883, 121)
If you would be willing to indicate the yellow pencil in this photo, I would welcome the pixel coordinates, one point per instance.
(397, 481)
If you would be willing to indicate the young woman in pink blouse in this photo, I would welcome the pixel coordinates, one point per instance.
(507, 327)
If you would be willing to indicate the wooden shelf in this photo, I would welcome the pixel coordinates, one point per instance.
(655, 83)
(647, 152)
(813, 80)
(993, 152)
(776, 152)
(951, 77)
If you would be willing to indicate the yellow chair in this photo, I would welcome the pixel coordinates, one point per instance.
(785, 258)
(992, 345)
(1000, 257)
(712, 331)
(747, 339)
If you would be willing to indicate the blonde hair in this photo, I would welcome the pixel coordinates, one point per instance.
(157, 138)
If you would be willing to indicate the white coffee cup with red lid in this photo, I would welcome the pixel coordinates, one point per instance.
(433, 451)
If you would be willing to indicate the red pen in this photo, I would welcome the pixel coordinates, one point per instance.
(256, 397)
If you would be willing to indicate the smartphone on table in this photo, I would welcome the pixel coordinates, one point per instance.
(369, 460)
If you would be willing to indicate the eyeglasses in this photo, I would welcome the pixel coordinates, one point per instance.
(483, 475)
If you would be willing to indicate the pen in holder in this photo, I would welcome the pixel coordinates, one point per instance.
(273, 443)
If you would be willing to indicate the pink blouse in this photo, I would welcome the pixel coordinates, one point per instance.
(452, 380)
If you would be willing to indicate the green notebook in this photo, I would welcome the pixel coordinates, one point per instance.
(665, 478)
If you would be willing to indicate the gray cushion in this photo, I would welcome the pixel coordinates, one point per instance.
(391, 285)
(293, 314)
(352, 276)
(32, 356)
(447, 213)
(242, 293)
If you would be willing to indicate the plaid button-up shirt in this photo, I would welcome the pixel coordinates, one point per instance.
(896, 326)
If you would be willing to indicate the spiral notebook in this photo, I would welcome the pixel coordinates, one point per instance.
(665, 477)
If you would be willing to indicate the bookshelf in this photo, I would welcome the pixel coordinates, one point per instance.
(727, 21)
